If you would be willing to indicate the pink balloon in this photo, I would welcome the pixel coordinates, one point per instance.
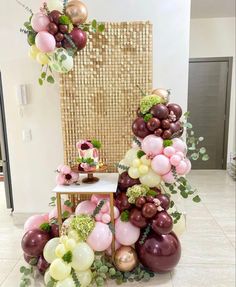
(175, 159)
(106, 218)
(98, 217)
(97, 197)
(169, 151)
(117, 246)
(179, 153)
(182, 167)
(189, 165)
(46, 217)
(126, 233)
(116, 212)
(65, 169)
(40, 22)
(106, 207)
(169, 177)
(53, 213)
(100, 238)
(152, 145)
(85, 207)
(34, 222)
(45, 42)
(161, 164)
(180, 145)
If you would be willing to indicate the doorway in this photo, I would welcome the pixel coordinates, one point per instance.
(208, 102)
(6, 173)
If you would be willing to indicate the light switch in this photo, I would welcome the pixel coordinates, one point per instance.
(26, 135)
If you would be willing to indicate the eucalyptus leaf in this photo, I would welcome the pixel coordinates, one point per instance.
(201, 139)
(205, 157)
(101, 28)
(202, 150)
(184, 194)
(50, 79)
(194, 156)
(197, 199)
(94, 24)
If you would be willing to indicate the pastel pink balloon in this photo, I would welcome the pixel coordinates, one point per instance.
(45, 42)
(161, 164)
(34, 222)
(85, 207)
(53, 213)
(106, 218)
(189, 165)
(169, 151)
(126, 233)
(98, 217)
(180, 145)
(169, 177)
(152, 145)
(116, 212)
(98, 197)
(65, 169)
(100, 238)
(117, 246)
(106, 207)
(175, 159)
(179, 153)
(40, 22)
(46, 216)
(182, 167)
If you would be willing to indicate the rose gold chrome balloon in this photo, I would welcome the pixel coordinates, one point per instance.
(126, 259)
(77, 12)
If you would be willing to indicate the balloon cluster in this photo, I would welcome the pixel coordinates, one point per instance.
(56, 33)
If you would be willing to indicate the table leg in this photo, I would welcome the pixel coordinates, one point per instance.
(59, 214)
(113, 224)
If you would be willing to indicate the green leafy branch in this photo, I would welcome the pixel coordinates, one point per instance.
(46, 75)
(122, 166)
(98, 208)
(94, 27)
(145, 234)
(26, 276)
(53, 201)
(136, 141)
(124, 216)
(75, 278)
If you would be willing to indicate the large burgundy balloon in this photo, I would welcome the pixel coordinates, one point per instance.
(139, 128)
(160, 111)
(42, 265)
(165, 201)
(122, 202)
(162, 223)
(31, 260)
(79, 37)
(137, 219)
(125, 181)
(176, 110)
(159, 253)
(34, 241)
(54, 232)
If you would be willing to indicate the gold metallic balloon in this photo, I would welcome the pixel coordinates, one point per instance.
(162, 93)
(77, 12)
(125, 258)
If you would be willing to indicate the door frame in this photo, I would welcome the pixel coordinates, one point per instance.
(5, 152)
(229, 60)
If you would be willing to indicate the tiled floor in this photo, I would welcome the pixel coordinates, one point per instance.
(208, 256)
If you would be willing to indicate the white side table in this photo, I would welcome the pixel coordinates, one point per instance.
(107, 184)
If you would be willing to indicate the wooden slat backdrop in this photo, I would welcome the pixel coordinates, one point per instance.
(99, 97)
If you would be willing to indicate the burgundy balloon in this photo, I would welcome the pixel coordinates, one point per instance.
(122, 202)
(137, 219)
(176, 109)
(59, 37)
(153, 124)
(165, 124)
(42, 265)
(79, 37)
(63, 28)
(165, 201)
(54, 232)
(150, 199)
(149, 210)
(30, 259)
(58, 44)
(138, 112)
(139, 128)
(34, 241)
(162, 223)
(125, 181)
(52, 28)
(167, 134)
(140, 201)
(158, 132)
(159, 253)
(175, 127)
(160, 111)
(54, 16)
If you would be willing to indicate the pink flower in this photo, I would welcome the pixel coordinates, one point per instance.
(66, 176)
(84, 144)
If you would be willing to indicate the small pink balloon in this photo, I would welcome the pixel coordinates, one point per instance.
(169, 177)
(53, 213)
(175, 159)
(100, 238)
(179, 153)
(45, 42)
(65, 169)
(60, 179)
(182, 167)
(98, 197)
(189, 165)
(98, 217)
(40, 22)
(34, 222)
(152, 145)
(106, 207)
(117, 246)
(169, 151)
(106, 218)
(85, 207)
(116, 212)
(126, 233)
(180, 145)
(161, 164)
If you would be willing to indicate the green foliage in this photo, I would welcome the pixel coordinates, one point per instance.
(68, 203)
(75, 278)
(147, 117)
(64, 20)
(26, 276)
(151, 193)
(148, 102)
(89, 161)
(45, 227)
(167, 143)
(140, 153)
(136, 191)
(67, 257)
(46, 75)
(145, 234)
(53, 200)
(124, 216)
(83, 225)
(65, 214)
(98, 208)
(176, 216)
(136, 141)
(122, 166)
(96, 143)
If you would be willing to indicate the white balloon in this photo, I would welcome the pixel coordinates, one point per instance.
(55, 5)
(151, 179)
(59, 270)
(49, 249)
(82, 257)
(84, 277)
(180, 227)
(61, 61)
(68, 282)
(130, 155)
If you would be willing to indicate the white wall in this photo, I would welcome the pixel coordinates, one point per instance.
(215, 37)
(32, 163)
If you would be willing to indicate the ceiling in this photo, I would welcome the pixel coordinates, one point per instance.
(212, 8)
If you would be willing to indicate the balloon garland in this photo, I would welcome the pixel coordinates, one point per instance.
(56, 33)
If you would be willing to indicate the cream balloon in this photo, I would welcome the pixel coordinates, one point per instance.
(49, 249)
(122, 162)
(130, 155)
(84, 277)
(47, 277)
(145, 160)
(68, 282)
(60, 250)
(180, 227)
(59, 270)
(143, 169)
(151, 179)
(61, 61)
(134, 172)
(82, 257)
(55, 5)
(42, 59)
(33, 52)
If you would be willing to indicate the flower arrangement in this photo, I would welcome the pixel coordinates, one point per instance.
(56, 33)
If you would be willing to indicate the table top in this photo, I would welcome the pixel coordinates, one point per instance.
(107, 183)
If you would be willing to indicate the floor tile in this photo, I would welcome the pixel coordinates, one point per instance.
(6, 266)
